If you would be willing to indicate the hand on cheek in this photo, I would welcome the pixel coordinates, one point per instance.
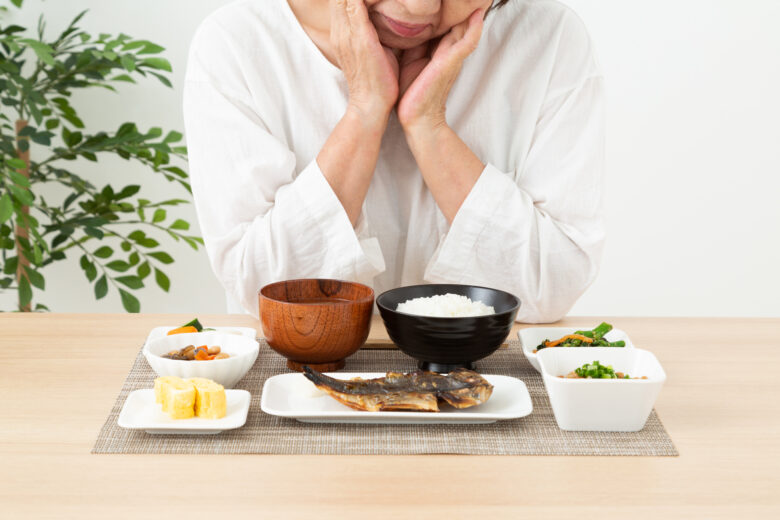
(427, 73)
(371, 70)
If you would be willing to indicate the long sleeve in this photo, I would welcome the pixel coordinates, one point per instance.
(263, 217)
(537, 232)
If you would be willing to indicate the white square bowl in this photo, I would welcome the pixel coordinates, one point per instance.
(614, 405)
(532, 337)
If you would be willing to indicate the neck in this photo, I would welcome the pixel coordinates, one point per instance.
(312, 14)
(314, 17)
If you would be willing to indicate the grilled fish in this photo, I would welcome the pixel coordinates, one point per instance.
(417, 391)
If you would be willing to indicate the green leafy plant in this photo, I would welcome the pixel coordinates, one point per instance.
(116, 232)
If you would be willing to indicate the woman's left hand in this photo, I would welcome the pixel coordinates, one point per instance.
(426, 79)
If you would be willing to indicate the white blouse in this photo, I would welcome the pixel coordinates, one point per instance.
(260, 100)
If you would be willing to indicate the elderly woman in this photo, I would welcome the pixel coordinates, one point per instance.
(398, 142)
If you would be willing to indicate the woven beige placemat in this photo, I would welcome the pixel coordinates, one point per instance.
(536, 434)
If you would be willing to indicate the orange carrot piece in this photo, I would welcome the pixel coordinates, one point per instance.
(182, 330)
(557, 342)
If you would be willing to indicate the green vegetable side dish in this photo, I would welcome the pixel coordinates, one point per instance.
(584, 338)
(596, 370)
(195, 323)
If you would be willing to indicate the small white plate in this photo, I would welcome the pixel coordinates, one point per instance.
(294, 396)
(159, 332)
(140, 412)
(532, 337)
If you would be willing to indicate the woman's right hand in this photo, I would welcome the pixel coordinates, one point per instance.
(370, 68)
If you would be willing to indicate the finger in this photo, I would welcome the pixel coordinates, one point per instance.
(338, 13)
(358, 14)
(463, 38)
(472, 32)
(338, 17)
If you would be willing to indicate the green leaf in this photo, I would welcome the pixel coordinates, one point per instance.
(118, 265)
(6, 207)
(17, 3)
(128, 191)
(94, 232)
(51, 124)
(27, 131)
(162, 280)
(101, 287)
(42, 50)
(73, 119)
(159, 63)
(25, 292)
(24, 197)
(122, 77)
(19, 179)
(159, 215)
(126, 246)
(144, 270)
(173, 137)
(16, 163)
(134, 258)
(128, 62)
(151, 48)
(36, 278)
(89, 268)
(129, 302)
(162, 256)
(133, 282)
(176, 171)
(43, 138)
(11, 265)
(59, 239)
(165, 81)
(180, 224)
(154, 132)
(148, 242)
(71, 138)
(104, 252)
(37, 255)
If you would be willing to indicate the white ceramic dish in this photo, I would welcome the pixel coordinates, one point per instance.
(140, 412)
(294, 396)
(532, 337)
(243, 352)
(602, 404)
(159, 332)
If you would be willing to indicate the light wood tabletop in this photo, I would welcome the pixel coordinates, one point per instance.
(60, 375)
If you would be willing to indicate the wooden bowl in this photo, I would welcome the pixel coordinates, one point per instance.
(316, 322)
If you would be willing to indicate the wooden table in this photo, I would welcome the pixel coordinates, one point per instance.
(60, 375)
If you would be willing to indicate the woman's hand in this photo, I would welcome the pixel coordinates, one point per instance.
(370, 68)
(426, 79)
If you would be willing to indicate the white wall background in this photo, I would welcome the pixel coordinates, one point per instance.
(693, 154)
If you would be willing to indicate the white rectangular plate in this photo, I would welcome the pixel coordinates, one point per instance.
(159, 332)
(294, 396)
(140, 412)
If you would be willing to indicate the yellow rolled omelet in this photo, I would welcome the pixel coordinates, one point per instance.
(210, 400)
(160, 385)
(177, 396)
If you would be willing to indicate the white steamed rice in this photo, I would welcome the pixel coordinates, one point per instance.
(445, 305)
